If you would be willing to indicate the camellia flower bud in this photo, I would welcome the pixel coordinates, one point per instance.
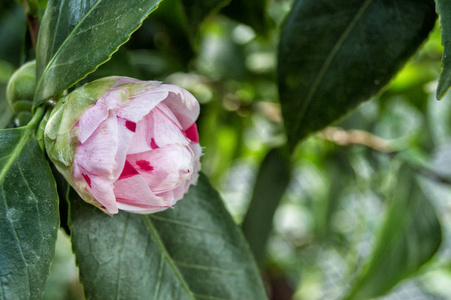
(20, 92)
(126, 144)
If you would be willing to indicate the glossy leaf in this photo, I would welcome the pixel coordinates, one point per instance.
(249, 12)
(192, 251)
(444, 11)
(28, 215)
(334, 55)
(410, 236)
(197, 10)
(78, 36)
(272, 181)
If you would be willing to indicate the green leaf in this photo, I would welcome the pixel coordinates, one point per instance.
(78, 36)
(192, 251)
(272, 181)
(249, 12)
(28, 215)
(335, 54)
(444, 11)
(410, 236)
(197, 10)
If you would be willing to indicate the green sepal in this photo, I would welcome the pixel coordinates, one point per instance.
(60, 141)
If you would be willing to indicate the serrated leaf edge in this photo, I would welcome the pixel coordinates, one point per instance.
(40, 101)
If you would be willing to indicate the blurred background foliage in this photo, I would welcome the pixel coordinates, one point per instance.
(323, 219)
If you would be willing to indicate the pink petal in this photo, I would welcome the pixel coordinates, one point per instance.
(166, 129)
(130, 125)
(140, 209)
(192, 133)
(183, 104)
(125, 137)
(164, 168)
(94, 116)
(197, 150)
(97, 154)
(157, 129)
(128, 171)
(141, 105)
(176, 194)
(141, 141)
(101, 189)
(133, 190)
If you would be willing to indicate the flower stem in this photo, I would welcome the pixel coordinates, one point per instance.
(41, 127)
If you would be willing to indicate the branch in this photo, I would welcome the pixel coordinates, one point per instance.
(349, 137)
(31, 9)
(33, 27)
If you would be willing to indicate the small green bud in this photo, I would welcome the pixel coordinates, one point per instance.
(20, 90)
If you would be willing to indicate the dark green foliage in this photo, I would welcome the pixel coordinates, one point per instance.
(308, 214)
(75, 38)
(272, 181)
(28, 216)
(444, 10)
(192, 251)
(333, 55)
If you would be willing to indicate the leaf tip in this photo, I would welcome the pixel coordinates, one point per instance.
(442, 88)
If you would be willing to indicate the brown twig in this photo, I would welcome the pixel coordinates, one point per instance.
(349, 137)
(32, 22)
(33, 27)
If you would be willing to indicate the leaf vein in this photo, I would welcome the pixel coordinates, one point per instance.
(34, 197)
(95, 26)
(16, 236)
(160, 275)
(189, 225)
(67, 39)
(166, 255)
(207, 268)
(15, 153)
(57, 25)
(124, 232)
(328, 61)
